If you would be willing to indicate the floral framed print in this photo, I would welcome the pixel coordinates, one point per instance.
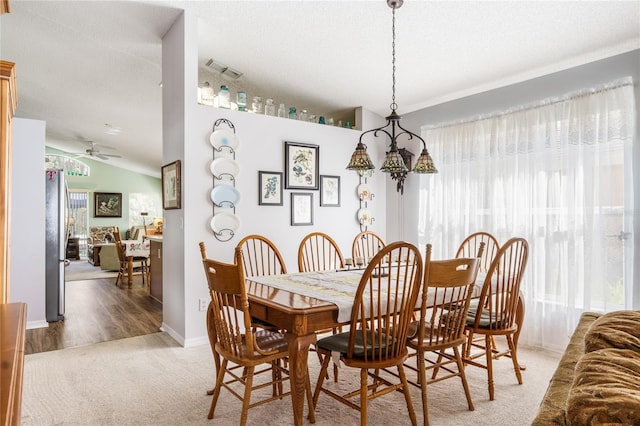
(270, 188)
(107, 204)
(171, 198)
(301, 208)
(330, 191)
(301, 165)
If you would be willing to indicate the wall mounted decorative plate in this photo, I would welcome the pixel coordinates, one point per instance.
(225, 196)
(224, 166)
(224, 221)
(364, 192)
(224, 137)
(364, 217)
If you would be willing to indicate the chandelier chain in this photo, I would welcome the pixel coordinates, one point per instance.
(393, 105)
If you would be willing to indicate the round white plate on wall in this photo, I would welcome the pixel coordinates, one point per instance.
(364, 217)
(224, 166)
(225, 196)
(224, 220)
(364, 192)
(220, 138)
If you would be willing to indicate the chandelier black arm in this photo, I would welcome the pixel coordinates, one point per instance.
(379, 129)
(411, 135)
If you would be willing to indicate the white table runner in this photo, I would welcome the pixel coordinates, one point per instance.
(337, 287)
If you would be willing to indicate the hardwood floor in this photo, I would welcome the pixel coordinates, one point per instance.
(98, 311)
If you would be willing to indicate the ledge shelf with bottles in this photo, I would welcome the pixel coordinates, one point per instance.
(224, 100)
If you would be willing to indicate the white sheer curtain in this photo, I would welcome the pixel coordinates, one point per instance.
(553, 173)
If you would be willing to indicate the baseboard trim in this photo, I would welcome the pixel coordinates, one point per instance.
(186, 343)
(37, 324)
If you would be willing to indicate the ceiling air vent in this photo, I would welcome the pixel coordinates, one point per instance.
(223, 69)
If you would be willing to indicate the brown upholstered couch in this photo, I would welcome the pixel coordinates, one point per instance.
(598, 378)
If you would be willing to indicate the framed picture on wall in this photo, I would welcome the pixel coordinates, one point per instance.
(301, 208)
(171, 197)
(270, 188)
(107, 204)
(330, 191)
(301, 165)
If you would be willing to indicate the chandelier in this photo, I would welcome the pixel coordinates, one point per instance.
(397, 160)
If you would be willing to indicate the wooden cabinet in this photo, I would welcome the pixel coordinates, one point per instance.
(73, 248)
(155, 263)
(8, 104)
(13, 320)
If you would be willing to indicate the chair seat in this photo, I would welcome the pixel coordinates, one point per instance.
(340, 342)
(267, 341)
(486, 321)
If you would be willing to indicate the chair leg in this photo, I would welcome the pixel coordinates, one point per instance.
(321, 377)
(364, 378)
(407, 396)
(514, 358)
(489, 356)
(246, 401)
(216, 390)
(274, 378)
(422, 379)
(463, 377)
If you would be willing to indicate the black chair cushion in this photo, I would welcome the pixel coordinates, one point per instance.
(485, 320)
(340, 343)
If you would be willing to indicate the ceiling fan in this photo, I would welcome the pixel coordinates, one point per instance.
(93, 151)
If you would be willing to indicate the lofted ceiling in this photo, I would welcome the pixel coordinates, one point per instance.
(92, 69)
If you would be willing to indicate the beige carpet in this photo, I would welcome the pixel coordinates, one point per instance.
(82, 270)
(151, 380)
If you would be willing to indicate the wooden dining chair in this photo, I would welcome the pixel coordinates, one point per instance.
(497, 311)
(260, 256)
(471, 246)
(319, 252)
(140, 263)
(447, 289)
(366, 245)
(377, 336)
(234, 339)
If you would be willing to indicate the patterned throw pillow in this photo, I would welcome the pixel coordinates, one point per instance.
(620, 329)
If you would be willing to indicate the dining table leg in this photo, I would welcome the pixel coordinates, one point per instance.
(298, 372)
(130, 270)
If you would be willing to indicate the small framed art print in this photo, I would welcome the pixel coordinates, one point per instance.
(270, 188)
(330, 191)
(301, 208)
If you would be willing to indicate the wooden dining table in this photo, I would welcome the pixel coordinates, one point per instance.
(286, 302)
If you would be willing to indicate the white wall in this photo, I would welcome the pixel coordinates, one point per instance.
(187, 127)
(26, 242)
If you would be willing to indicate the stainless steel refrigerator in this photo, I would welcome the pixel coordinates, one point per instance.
(56, 243)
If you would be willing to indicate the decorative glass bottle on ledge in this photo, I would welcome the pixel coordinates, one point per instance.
(282, 112)
(224, 98)
(269, 107)
(241, 100)
(256, 105)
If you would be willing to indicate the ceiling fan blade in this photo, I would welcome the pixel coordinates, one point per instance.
(111, 155)
(101, 156)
